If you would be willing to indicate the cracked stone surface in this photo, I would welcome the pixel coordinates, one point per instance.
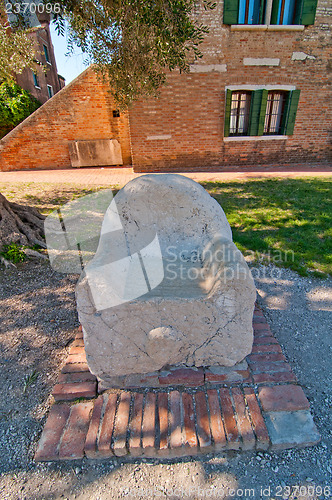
(198, 305)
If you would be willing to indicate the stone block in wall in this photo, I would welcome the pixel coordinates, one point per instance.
(94, 153)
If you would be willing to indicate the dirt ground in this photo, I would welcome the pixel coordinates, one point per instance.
(38, 318)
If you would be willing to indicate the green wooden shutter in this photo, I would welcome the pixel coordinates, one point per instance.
(285, 113)
(231, 11)
(308, 12)
(274, 12)
(293, 102)
(261, 120)
(261, 12)
(298, 12)
(257, 112)
(227, 112)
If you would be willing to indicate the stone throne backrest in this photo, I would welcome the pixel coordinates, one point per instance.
(198, 319)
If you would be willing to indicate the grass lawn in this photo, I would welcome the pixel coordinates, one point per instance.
(286, 221)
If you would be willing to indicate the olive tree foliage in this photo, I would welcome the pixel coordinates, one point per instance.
(16, 52)
(133, 42)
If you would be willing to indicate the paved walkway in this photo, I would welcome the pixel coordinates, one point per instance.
(120, 176)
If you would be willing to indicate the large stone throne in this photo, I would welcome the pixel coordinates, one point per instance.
(167, 285)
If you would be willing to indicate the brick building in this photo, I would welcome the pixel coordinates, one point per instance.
(42, 84)
(259, 96)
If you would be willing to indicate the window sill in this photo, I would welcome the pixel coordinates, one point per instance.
(49, 63)
(38, 88)
(255, 138)
(267, 27)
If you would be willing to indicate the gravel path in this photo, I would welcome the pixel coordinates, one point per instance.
(37, 311)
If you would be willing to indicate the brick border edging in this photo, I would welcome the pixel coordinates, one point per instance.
(190, 412)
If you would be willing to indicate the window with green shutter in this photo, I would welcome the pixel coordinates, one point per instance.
(284, 12)
(260, 112)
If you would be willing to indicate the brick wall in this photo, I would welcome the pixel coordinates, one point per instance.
(82, 110)
(183, 128)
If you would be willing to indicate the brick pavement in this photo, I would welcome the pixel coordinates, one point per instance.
(111, 176)
(257, 404)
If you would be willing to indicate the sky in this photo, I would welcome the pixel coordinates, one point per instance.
(68, 67)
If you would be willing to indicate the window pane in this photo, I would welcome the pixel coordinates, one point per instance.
(242, 11)
(240, 108)
(35, 79)
(274, 112)
(286, 12)
(289, 12)
(267, 116)
(249, 11)
(46, 53)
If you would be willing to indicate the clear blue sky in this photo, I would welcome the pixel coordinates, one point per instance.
(68, 67)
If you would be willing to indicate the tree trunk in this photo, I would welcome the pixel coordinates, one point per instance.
(20, 224)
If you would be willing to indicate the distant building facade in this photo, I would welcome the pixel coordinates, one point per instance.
(46, 81)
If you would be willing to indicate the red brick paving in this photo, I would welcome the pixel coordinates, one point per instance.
(231, 429)
(189, 430)
(92, 435)
(107, 425)
(70, 392)
(163, 422)
(263, 378)
(234, 376)
(203, 424)
(111, 176)
(73, 439)
(149, 425)
(243, 419)
(283, 398)
(265, 340)
(175, 438)
(75, 367)
(258, 424)
(217, 427)
(135, 447)
(184, 376)
(121, 425)
(52, 433)
(206, 412)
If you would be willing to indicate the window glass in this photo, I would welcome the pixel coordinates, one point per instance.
(249, 11)
(35, 79)
(240, 110)
(46, 53)
(286, 12)
(274, 112)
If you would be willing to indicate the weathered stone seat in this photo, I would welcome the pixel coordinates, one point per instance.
(167, 285)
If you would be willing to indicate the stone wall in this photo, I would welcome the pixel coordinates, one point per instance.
(184, 128)
(80, 111)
